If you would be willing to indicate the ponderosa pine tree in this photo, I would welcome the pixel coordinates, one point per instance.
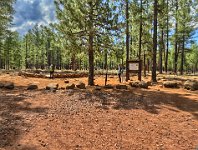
(186, 24)
(154, 41)
(83, 21)
(6, 12)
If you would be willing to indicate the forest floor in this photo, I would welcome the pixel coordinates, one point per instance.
(156, 118)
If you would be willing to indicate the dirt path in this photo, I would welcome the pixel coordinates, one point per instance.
(155, 118)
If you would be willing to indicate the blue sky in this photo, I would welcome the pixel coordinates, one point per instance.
(31, 12)
(41, 12)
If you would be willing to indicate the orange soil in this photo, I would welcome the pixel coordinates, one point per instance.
(154, 118)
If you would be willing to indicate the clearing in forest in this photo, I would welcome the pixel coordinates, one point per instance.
(94, 118)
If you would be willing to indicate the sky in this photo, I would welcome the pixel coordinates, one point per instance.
(31, 12)
(41, 12)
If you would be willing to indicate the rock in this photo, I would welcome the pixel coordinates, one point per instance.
(52, 86)
(170, 84)
(1, 85)
(80, 85)
(108, 86)
(20, 73)
(9, 85)
(70, 86)
(154, 83)
(159, 78)
(191, 85)
(32, 87)
(97, 88)
(121, 86)
(149, 83)
(66, 81)
(62, 88)
(134, 84)
(164, 80)
(143, 84)
(179, 84)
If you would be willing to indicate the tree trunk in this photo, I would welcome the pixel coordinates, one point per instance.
(160, 52)
(37, 49)
(182, 56)
(144, 64)
(127, 40)
(0, 56)
(48, 45)
(73, 62)
(91, 51)
(26, 52)
(106, 67)
(91, 60)
(140, 42)
(154, 42)
(167, 39)
(176, 44)
(148, 65)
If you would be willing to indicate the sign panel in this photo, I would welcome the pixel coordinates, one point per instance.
(133, 66)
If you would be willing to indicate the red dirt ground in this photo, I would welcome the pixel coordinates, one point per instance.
(155, 119)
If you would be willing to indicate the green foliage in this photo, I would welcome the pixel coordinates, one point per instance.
(100, 26)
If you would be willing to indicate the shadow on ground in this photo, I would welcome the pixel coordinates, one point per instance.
(150, 101)
(12, 120)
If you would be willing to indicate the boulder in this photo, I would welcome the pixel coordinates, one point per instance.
(191, 85)
(134, 84)
(149, 83)
(80, 85)
(32, 87)
(70, 86)
(66, 81)
(62, 88)
(108, 86)
(159, 78)
(9, 85)
(121, 86)
(1, 85)
(143, 84)
(170, 84)
(52, 86)
(164, 80)
(97, 88)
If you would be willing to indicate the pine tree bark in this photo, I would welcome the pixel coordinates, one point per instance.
(176, 43)
(26, 52)
(167, 39)
(160, 51)
(127, 40)
(182, 56)
(91, 51)
(0, 57)
(144, 64)
(140, 42)
(154, 42)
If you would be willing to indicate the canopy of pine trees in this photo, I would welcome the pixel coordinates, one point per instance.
(100, 34)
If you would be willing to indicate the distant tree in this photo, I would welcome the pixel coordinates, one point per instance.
(6, 12)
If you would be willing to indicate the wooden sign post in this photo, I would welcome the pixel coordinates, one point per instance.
(135, 66)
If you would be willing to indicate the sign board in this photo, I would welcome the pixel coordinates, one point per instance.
(133, 66)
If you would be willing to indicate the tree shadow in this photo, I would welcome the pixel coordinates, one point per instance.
(13, 123)
(150, 101)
